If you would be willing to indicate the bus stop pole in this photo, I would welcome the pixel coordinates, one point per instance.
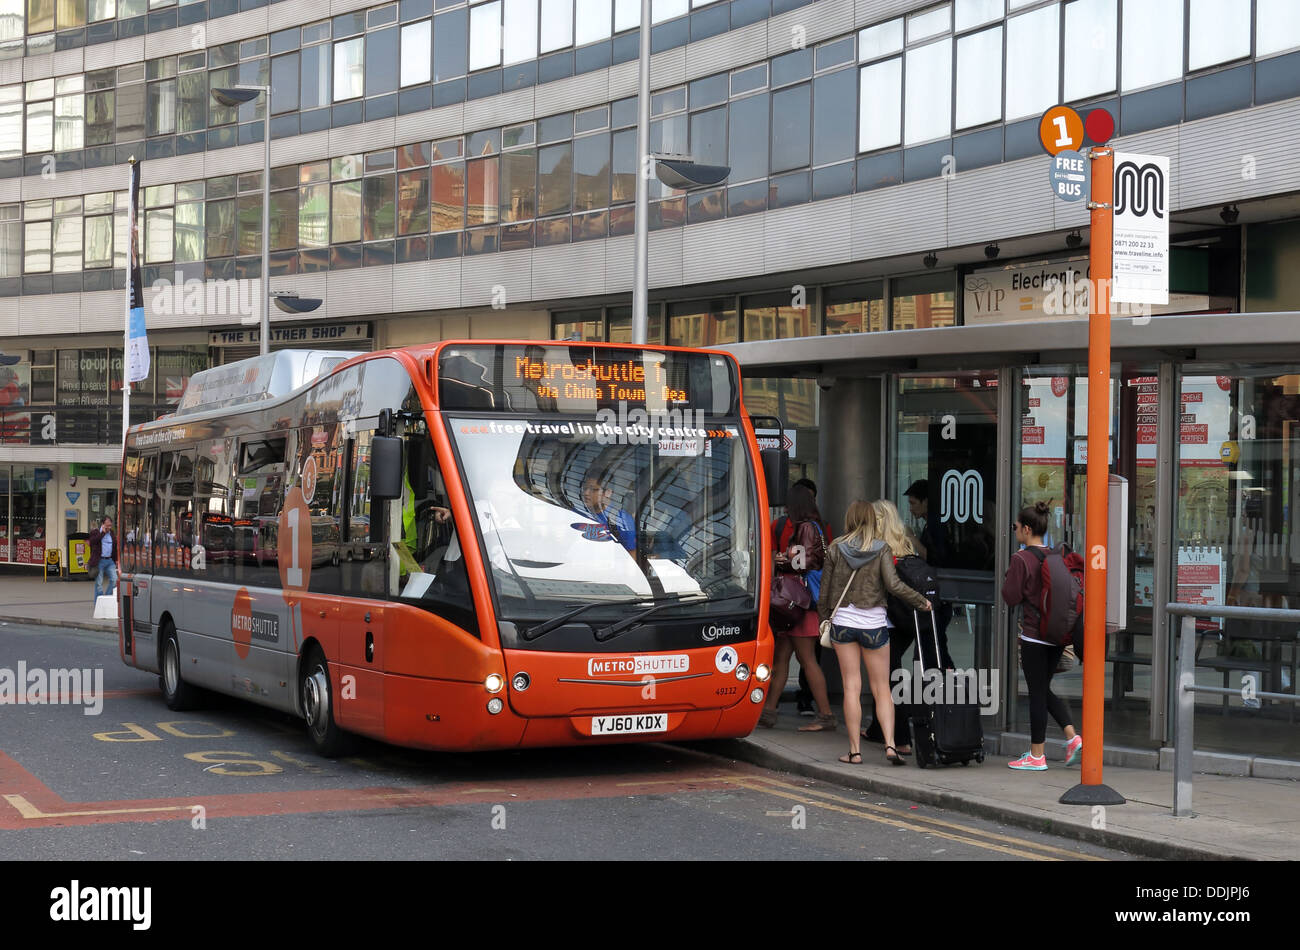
(1090, 790)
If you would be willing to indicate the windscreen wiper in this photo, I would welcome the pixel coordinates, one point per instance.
(546, 626)
(613, 630)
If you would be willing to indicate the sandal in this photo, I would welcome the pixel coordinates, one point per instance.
(848, 759)
(896, 758)
(820, 724)
(767, 719)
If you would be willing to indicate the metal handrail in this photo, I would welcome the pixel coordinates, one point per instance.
(1187, 688)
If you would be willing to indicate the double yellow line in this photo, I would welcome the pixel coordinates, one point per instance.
(907, 820)
(938, 827)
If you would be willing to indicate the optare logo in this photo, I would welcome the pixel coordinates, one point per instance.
(718, 632)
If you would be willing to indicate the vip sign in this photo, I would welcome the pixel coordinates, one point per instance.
(1141, 258)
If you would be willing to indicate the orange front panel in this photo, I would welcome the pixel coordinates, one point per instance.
(423, 644)
(569, 684)
(440, 714)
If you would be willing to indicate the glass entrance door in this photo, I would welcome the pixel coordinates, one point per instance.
(944, 482)
(1052, 468)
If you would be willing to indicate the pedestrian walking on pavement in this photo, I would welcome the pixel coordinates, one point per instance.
(858, 576)
(806, 554)
(1038, 657)
(103, 557)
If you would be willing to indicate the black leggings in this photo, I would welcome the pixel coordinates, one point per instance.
(1039, 663)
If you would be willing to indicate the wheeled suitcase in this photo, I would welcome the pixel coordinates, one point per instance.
(943, 733)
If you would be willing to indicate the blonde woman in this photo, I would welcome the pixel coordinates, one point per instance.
(858, 574)
(901, 543)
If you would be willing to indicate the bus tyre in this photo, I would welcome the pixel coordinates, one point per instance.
(318, 707)
(177, 694)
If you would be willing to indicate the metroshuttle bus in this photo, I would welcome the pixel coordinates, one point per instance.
(467, 545)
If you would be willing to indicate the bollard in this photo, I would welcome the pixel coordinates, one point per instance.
(1184, 750)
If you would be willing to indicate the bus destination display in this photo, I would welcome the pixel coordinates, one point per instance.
(626, 380)
(581, 379)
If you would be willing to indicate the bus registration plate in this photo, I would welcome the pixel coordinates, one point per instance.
(642, 722)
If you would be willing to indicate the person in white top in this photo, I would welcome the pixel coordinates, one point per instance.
(858, 575)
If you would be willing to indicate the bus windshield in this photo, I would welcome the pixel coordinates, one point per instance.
(570, 514)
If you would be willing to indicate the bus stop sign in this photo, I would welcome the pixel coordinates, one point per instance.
(1070, 176)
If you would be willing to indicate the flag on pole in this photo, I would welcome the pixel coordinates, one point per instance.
(137, 344)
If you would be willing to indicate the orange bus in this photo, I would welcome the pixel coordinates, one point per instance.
(542, 544)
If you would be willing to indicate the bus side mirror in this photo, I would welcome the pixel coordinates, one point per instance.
(385, 468)
(776, 470)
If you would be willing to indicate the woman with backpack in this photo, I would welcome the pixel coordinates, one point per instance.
(805, 554)
(858, 576)
(1038, 656)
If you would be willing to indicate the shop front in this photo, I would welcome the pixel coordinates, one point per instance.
(980, 421)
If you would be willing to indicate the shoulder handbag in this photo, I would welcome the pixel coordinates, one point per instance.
(826, 624)
(788, 601)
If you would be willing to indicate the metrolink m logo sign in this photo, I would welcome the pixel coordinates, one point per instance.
(961, 497)
(1140, 267)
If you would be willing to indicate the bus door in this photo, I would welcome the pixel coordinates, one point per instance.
(138, 582)
(365, 583)
(136, 560)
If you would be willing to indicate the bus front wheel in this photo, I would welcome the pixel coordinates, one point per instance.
(318, 707)
(177, 694)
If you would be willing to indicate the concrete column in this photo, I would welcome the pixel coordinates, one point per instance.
(849, 468)
(849, 447)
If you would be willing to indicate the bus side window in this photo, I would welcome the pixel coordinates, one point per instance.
(179, 515)
(143, 527)
(130, 513)
(158, 521)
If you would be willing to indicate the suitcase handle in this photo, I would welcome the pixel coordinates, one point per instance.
(934, 627)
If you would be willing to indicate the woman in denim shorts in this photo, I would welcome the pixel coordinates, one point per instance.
(858, 574)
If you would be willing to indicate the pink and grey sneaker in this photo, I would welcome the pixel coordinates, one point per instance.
(1029, 763)
(1073, 749)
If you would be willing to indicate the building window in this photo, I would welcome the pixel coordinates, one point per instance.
(855, 308)
(1033, 62)
(1153, 43)
(1218, 32)
(1090, 48)
(880, 105)
(774, 317)
(923, 301)
(929, 93)
(702, 322)
(1277, 26)
(979, 78)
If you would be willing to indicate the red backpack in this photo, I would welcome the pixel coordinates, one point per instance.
(1060, 612)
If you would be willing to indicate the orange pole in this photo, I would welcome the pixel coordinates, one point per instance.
(1101, 250)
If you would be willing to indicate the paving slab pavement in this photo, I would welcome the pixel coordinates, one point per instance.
(1236, 818)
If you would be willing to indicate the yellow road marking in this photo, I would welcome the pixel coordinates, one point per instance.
(675, 781)
(966, 829)
(857, 811)
(27, 810)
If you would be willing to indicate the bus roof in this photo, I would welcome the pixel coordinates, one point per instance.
(257, 379)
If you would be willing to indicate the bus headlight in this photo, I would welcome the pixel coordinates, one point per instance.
(494, 683)
(763, 673)
(521, 682)
(495, 705)
(742, 672)
(756, 696)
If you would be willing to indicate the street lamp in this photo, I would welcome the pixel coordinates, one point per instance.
(675, 172)
(238, 96)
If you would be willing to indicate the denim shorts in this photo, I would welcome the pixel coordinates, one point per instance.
(869, 639)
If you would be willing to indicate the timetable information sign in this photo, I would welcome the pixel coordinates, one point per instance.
(1140, 267)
